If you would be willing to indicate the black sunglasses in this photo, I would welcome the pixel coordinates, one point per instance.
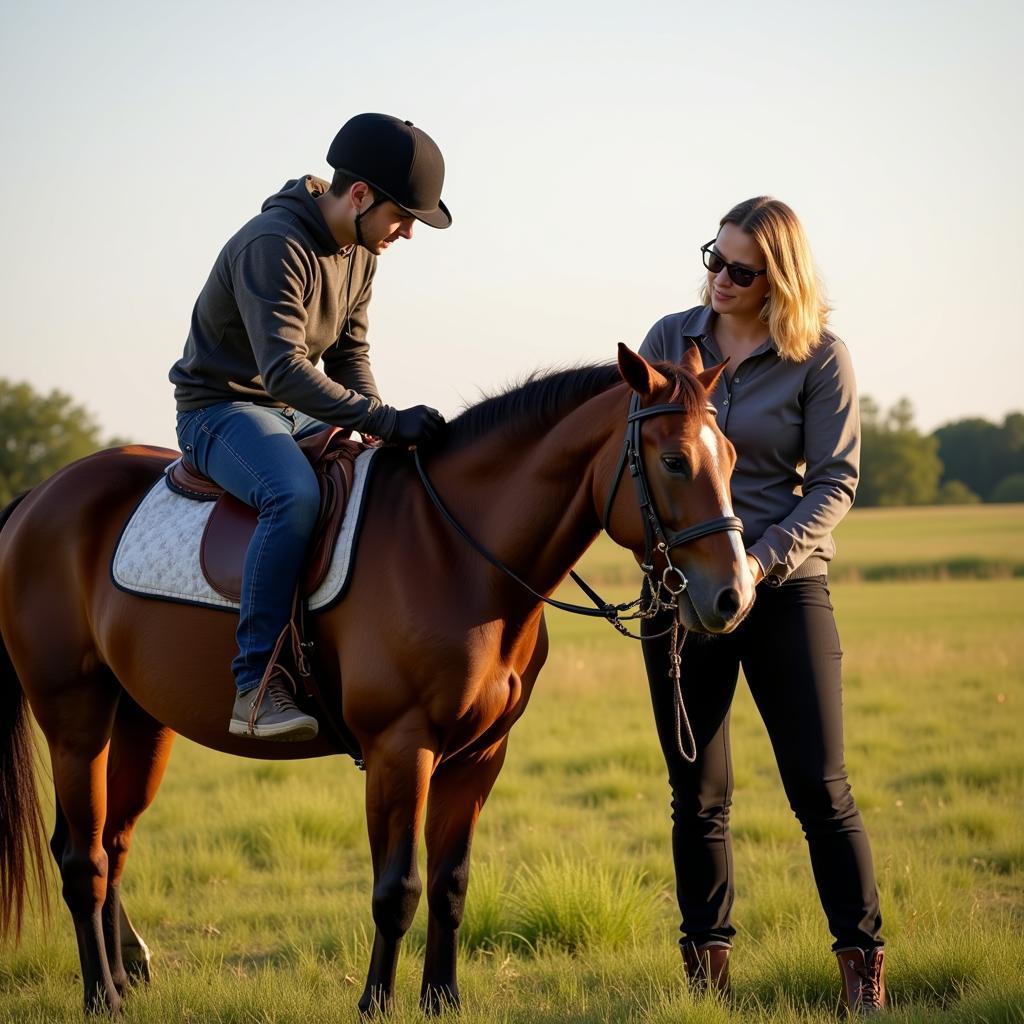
(742, 276)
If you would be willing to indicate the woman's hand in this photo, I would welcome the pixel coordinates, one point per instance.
(755, 569)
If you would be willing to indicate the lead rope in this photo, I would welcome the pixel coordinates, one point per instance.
(675, 657)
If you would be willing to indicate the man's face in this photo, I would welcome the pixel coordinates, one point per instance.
(384, 225)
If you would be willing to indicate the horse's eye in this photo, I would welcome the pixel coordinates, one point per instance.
(676, 465)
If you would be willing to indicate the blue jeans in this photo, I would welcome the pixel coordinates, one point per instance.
(250, 451)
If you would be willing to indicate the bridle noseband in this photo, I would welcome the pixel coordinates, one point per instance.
(655, 538)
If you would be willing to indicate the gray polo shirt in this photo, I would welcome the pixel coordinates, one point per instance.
(796, 430)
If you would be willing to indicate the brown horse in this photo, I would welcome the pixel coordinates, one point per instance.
(438, 650)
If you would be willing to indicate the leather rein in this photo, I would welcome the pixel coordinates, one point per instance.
(656, 539)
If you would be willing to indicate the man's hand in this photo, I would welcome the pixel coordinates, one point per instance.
(417, 425)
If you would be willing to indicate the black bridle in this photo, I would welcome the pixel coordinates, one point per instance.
(655, 540)
(655, 537)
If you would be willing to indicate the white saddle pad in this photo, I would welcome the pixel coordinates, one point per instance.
(158, 553)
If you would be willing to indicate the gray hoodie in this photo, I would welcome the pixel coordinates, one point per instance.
(282, 295)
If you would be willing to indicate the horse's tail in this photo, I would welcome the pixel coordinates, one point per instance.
(23, 853)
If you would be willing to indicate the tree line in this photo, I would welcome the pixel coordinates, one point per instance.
(959, 463)
(962, 462)
(39, 434)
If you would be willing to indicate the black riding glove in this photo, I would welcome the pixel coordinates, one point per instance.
(417, 425)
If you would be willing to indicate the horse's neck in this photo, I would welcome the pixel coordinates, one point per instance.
(534, 506)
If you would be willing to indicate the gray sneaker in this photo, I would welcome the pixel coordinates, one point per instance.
(278, 717)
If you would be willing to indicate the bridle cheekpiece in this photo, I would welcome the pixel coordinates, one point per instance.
(655, 537)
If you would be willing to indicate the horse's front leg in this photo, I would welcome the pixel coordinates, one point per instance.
(398, 768)
(457, 792)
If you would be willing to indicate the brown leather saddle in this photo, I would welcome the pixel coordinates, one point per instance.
(232, 523)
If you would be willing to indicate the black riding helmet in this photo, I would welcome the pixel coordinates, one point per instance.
(398, 160)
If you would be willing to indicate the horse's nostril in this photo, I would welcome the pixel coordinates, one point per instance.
(728, 603)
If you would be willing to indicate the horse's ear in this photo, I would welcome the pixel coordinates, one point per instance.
(709, 378)
(643, 378)
(692, 361)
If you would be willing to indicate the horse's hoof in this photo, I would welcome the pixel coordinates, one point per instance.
(139, 971)
(374, 1002)
(102, 1001)
(442, 999)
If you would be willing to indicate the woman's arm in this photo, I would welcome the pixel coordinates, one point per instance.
(832, 464)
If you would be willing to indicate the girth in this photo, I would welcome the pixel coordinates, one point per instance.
(232, 522)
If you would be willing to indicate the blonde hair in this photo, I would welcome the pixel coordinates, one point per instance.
(795, 310)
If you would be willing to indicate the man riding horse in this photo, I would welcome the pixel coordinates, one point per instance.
(290, 288)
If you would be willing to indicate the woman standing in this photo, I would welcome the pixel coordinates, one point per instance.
(788, 403)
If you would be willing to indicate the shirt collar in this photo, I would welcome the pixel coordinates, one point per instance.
(700, 328)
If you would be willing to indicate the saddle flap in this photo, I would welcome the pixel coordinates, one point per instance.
(225, 542)
(232, 523)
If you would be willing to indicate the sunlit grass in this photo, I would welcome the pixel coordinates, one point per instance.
(251, 880)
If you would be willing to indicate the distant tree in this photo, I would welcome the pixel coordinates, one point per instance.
(870, 413)
(1013, 449)
(1010, 488)
(40, 434)
(898, 465)
(981, 454)
(956, 492)
(1013, 432)
(969, 453)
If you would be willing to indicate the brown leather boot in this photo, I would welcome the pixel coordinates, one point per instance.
(707, 966)
(863, 973)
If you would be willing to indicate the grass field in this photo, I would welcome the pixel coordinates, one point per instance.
(958, 542)
(250, 880)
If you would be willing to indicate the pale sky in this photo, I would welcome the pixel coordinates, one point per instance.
(591, 149)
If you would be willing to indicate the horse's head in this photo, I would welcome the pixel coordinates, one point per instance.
(687, 530)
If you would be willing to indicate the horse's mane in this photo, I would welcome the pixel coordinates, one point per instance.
(543, 398)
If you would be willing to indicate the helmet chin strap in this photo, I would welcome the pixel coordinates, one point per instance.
(359, 216)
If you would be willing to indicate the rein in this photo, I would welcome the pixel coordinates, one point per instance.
(655, 540)
(604, 609)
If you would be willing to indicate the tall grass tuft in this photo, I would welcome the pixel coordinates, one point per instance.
(574, 904)
(489, 910)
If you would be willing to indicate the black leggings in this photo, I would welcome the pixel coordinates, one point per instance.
(789, 649)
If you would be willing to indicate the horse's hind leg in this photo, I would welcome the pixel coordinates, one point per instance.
(457, 792)
(77, 721)
(139, 749)
(135, 954)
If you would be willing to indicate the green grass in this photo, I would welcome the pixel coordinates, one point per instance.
(875, 544)
(962, 541)
(250, 880)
